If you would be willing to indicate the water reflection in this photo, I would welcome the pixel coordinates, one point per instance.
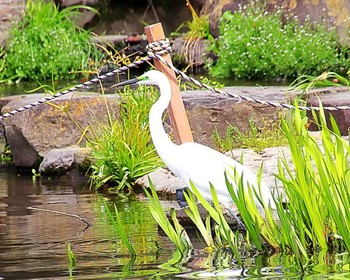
(33, 243)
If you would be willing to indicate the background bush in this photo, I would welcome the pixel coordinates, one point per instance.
(47, 44)
(254, 43)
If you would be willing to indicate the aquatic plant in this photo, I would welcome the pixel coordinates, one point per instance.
(256, 43)
(175, 231)
(123, 150)
(313, 215)
(224, 234)
(47, 44)
(316, 215)
(71, 259)
(119, 228)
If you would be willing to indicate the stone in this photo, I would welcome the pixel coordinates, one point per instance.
(209, 111)
(68, 120)
(332, 97)
(60, 161)
(163, 180)
(194, 52)
(64, 122)
(11, 11)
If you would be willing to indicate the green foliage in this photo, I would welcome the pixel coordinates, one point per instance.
(71, 259)
(316, 216)
(175, 231)
(198, 27)
(47, 44)
(119, 228)
(123, 150)
(197, 30)
(326, 79)
(256, 44)
(318, 187)
(224, 234)
(257, 138)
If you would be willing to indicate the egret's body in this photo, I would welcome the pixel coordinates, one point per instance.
(192, 161)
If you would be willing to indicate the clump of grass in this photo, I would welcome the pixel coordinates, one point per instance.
(197, 30)
(175, 231)
(119, 228)
(257, 137)
(47, 44)
(316, 216)
(123, 149)
(254, 43)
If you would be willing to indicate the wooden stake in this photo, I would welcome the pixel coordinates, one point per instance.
(176, 109)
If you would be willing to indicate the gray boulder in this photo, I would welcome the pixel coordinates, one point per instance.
(61, 161)
(64, 122)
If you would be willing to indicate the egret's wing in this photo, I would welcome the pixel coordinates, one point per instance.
(203, 165)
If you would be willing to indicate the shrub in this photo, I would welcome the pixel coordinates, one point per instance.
(47, 44)
(254, 43)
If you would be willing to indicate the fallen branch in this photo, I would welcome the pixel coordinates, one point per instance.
(61, 213)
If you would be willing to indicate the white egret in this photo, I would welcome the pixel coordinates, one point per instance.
(192, 161)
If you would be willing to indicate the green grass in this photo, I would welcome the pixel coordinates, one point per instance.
(258, 137)
(119, 228)
(326, 79)
(47, 44)
(123, 150)
(174, 230)
(316, 216)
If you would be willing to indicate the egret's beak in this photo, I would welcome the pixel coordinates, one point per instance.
(127, 82)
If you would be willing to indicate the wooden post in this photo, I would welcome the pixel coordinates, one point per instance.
(176, 109)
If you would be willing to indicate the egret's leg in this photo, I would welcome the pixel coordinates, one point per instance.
(180, 198)
(239, 222)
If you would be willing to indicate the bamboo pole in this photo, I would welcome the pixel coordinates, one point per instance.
(176, 109)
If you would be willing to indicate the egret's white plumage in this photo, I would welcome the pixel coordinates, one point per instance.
(192, 161)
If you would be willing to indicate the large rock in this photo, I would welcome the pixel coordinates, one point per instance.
(208, 111)
(64, 122)
(332, 97)
(10, 12)
(61, 161)
(33, 133)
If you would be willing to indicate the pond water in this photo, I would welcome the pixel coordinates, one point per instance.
(34, 234)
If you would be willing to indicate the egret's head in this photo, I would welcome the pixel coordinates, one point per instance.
(152, 77)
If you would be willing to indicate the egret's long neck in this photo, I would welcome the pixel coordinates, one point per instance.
(160, 138)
